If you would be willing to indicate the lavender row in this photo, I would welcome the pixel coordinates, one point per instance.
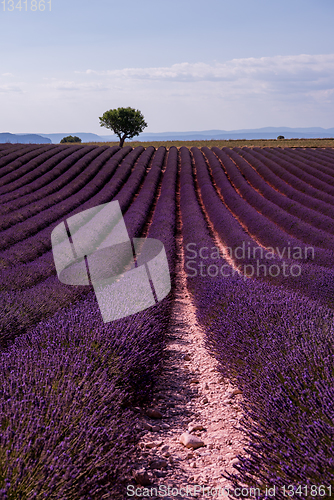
(85, 365)
(7, 149)
(20, 309)
(65, 432)
(150, 351)
(278, 348)
(33, 304)
(294, 208)
(315, 160)
(38, 175)
(17, 159)
(107, 182)
(135, 217)
(257, 225)
(299, 179)
(195, 230)
(37, 216)
(111, 181)
(127, 181)
(312, 280)
(163, 225)
(322, 154)
(83, 170)
(26, 173)
(29, 306)
(289, 223)
(311, 168)
(149, 160)
(62, 173)
(267, 340)
(319, 154)
(231, 230)
(16, 152)
(278, 178)
(102, 226)
(326, 153)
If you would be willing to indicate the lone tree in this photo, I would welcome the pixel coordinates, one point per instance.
(70, 138)
(280, 137)
(125, 122)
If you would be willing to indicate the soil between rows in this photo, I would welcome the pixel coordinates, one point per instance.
(189, 391)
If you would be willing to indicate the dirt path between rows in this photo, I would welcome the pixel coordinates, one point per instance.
(190, 393)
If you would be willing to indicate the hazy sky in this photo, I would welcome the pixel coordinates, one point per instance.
(186, 64)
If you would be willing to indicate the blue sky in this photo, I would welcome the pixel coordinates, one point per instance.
(186, 64)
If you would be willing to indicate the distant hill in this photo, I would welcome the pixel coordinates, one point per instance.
(259, 133)
(23, 138)
(256, 133)
(84, 136)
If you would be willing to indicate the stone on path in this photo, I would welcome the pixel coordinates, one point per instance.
(141, 477)
(146, 426)
(194, 427)
(191, 441)
(153, 413)
(158, 464)
(153, 444)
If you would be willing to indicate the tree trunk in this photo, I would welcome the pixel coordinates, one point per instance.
(121, 141)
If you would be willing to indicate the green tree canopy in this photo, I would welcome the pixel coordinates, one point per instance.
(70, 138)
(124, 122)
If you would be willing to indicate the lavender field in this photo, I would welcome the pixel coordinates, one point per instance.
(257, 230)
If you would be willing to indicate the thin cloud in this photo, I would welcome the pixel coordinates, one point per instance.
(241, 93)
(77, 86)
(10, 88)
(267, 74)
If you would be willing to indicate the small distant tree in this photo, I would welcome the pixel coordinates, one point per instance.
(126, 123)
(70, 138)
(280, 137)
